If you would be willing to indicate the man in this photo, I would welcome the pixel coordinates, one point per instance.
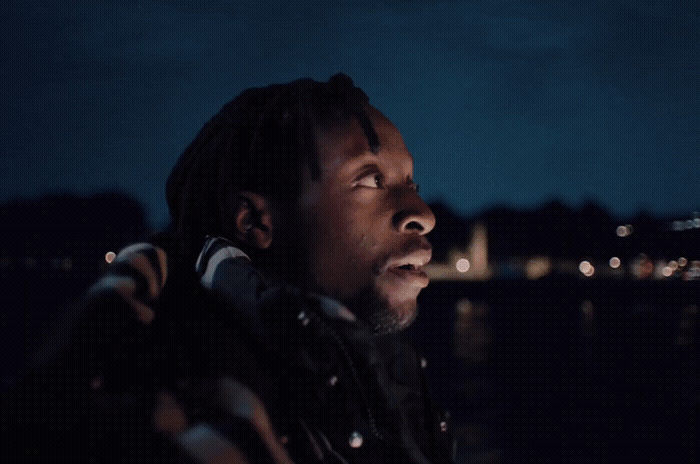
(265, 328)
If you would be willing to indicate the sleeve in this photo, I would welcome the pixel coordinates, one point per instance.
(107, 391)
(80, 401)
(245, 435)
(137, 275)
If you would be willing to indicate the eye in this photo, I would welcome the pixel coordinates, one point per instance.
(372, 180)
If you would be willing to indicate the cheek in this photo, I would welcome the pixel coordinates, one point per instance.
(367, 243)
(352, 250)
(346, 261)
(346, 243)
(341, 230)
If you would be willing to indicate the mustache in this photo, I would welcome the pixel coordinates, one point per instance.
(422, 244)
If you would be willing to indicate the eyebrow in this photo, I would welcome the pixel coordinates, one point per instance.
(360, 161)
(367, 158)
(365, 153)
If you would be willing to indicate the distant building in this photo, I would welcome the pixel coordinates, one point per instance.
(557, 240)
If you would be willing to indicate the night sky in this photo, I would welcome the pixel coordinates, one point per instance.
(511, 103)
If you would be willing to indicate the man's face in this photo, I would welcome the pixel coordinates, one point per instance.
(363, 225)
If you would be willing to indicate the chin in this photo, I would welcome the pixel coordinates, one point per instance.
(391, 321)
(384, 308)
(403, 314)
(380, 313)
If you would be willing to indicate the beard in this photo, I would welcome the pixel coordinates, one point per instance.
(289, 259)
(374, 310)
(367, 304)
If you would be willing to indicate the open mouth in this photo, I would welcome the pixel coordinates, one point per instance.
(410, 274)
(407, 270)
(407, 267)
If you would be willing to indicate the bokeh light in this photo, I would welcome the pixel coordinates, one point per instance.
(462, 265)
(586, 268)
(537, 267)
(625, 230)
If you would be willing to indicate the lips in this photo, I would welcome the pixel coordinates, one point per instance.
(408, 268)
(413, 276)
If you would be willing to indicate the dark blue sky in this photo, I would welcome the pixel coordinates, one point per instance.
(510, 103)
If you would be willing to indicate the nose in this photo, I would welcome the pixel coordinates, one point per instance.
(414, 216)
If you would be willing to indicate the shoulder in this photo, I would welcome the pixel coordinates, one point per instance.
(137, 275)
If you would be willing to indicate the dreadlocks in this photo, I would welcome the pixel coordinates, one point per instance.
(258, 142)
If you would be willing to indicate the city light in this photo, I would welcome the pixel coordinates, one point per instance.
(680, 225)
(682, 262)
(667, 271)
(586, 268)
(624, 231)
(615, 262)
(538, 266)
(109, 256)
(462, 265)
(693, 271)
(642, 266)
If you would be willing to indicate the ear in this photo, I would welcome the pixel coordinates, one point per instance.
(253, 220)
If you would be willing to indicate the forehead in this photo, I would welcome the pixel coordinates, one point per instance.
(348, 143)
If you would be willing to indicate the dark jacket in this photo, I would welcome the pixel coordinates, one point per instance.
(170, 361)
